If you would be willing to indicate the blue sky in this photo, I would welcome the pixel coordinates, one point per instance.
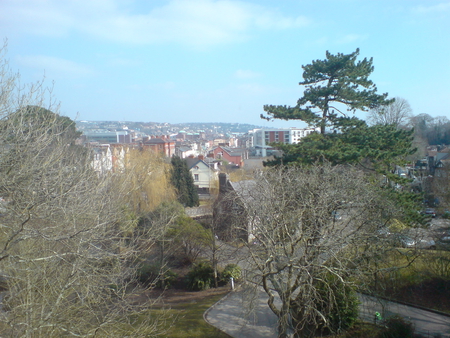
(220, 60)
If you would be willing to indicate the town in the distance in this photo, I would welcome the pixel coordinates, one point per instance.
(205, 146)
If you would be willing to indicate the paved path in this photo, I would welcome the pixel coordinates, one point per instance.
(231, 316)
(427, 323)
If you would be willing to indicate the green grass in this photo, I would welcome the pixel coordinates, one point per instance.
(188, 320)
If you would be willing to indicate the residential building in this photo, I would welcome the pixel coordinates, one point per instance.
(107, 137)
(162, 144)
(234, 156)
(204, 176)
(261, 138)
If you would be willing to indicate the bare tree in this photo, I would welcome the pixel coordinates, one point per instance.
(66, 256)
(397, 113)
(304, 222)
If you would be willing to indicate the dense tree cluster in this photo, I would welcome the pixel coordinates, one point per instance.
(432, 130)
(183, 182)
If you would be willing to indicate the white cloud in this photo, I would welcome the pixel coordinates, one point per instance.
(191, 22)
(243, 74)
(55, 67)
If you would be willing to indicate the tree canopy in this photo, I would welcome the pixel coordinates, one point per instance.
(397, 113)
(32, 120)
(67, 263)
(302, 252)
(339, 82)
(183, 182)
(377, 147)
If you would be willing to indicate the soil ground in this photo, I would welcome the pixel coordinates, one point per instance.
(177, 296)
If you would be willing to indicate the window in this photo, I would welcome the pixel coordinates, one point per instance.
(195, 177)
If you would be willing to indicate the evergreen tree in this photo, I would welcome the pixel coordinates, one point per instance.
(331, 85)
(376, 149)
(183, 182)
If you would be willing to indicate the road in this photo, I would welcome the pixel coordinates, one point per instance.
(232, 316)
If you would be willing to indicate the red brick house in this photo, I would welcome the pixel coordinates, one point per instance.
(232, 155)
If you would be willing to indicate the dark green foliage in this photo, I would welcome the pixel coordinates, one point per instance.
(153, 275)
(377, 147)
(337, 302)
(190, 237)
(183, 182)
(344, 310)
(337, 81)
(397, 327)
(201, 277)
(147, 273)
(32, 121)
(231, 271)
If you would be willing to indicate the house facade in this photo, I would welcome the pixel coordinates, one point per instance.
(235, 156)
(161, 144)
(204, 176)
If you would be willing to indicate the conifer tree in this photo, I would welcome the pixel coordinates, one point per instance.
(183, 182)
(339, 82)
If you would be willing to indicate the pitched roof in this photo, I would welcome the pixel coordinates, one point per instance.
(191, 162)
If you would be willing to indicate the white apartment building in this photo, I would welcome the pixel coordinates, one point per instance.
(261, 138)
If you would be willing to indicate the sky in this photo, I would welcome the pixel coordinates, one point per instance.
(180, 61)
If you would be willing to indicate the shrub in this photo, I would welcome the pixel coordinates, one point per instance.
(152, 274)
(397, 327)
(338, 302)
(147, 273)
(200, 277)
(231, 271)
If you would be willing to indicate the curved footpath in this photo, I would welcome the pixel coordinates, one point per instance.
(231, 316)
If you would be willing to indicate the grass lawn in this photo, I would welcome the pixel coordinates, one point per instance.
(188, 318)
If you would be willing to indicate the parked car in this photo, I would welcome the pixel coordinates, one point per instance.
(430, 212)
(383, 232)
(405, 241)
(408, 242)
(445, 239)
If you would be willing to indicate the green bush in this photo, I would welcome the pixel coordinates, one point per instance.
(200, 277)
(338, 303)
(147, 273)
(397, 327)
(152, 274)
(231, 271)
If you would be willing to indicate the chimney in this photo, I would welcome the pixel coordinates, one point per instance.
(223, 183)
(201, 157)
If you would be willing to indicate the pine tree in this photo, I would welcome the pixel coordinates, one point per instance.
(331, 85)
